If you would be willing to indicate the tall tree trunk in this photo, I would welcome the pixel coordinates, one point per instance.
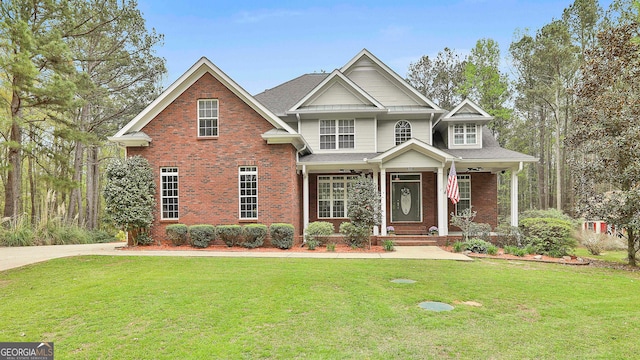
(32, 184)
(75, 197)
(631, 246)
(542, 185)
(13, 188)
(559, 161)
(93, 188)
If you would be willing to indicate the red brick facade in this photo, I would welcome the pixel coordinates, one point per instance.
(208, 168)
(484, 199)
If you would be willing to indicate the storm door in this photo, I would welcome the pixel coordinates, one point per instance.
(406, 198)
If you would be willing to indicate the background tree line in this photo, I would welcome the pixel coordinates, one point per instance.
(72, 73)
(532, 97)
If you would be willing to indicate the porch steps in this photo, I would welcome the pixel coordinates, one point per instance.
(414, 240)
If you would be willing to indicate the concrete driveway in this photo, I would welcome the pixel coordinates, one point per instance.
(13, 257)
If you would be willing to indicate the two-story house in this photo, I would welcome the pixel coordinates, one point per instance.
(223, 156)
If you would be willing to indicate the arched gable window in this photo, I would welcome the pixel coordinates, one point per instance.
(403, 131)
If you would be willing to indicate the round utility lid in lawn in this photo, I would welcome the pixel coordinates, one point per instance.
(403, 281)
(435, 306)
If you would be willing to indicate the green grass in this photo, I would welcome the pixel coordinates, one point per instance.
(252, 308)
(617, 256)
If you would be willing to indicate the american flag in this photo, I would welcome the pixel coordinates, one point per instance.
(453, 192)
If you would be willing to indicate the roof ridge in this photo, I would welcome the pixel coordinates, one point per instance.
(291, 80)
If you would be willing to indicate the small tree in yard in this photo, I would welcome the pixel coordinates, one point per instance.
(129, 196)
(363, 205)
(464, 221)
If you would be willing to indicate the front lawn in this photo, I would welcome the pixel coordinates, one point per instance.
(251, 308)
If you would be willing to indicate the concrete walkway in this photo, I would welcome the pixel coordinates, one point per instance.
(13, 257)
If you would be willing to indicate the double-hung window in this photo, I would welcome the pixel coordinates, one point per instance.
(332, 196)
(207, 117)
(169, 192)
(337, 134)
(248, 192)
(464, 185)
(465, 134)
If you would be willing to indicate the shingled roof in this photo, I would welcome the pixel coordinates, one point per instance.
(282, 97)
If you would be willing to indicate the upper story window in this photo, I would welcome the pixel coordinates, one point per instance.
(465, 134)
(337, 134)
(207, 117)
(403, 131)
(169, 192)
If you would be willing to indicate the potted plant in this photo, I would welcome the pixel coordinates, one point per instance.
(391, 230)
(433, 231)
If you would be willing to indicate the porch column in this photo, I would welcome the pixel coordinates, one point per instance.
(514, 196)
(305, 198)
(376, 230)
(443, 226)
(383, 201)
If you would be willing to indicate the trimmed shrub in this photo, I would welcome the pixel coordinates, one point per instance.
(254, 235)
(201, 235)
(549, 236)
(319, 231)
(143, 238)
(480, 231)
(477, 245)
(230, 234)
(354, 236)
(177, 233)
(312, 244)
(281, 235)
(492, 250)
(507, 235)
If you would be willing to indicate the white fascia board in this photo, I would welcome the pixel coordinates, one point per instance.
(472, 105)
(187, 79)
(336, 74)
(392, 73)
(418, 145)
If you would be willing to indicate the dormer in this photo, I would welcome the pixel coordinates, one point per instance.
(461, 128)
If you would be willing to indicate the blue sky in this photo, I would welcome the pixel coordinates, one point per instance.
(263, 44)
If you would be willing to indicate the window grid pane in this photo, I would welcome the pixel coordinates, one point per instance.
(207, 117)
(465, 134)
(332, 196)
(248, 188)
(403, 132)
(169, 192)
(464, 186)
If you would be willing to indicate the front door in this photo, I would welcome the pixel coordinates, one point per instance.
(406, 198)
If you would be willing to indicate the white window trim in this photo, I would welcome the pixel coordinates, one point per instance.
(451, 137)
(163, 173)
(395, 132)
(242, 172)
(216, 118)
(336, 134)
(345, 179)
(466, 179)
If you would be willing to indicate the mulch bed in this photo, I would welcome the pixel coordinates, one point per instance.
(537, 258)
(340, 248)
